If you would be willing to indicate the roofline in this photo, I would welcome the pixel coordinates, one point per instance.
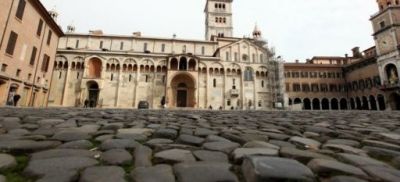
(43, 11)
(138, 37)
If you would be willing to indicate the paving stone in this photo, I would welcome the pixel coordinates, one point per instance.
(344, 148)
(52, 166)
(302, 155)
(7, 162)
(282, 143)
(260, 144)
(68, 136)
(190, 140)
(116, 157)
(135, 131)
(27, 145)
(215, 138)
(60, 176)
(57, 153)
(396, 162)
(204, 172)
(174, 156)
(165, 133)
(360, 161)
(324, 167)
(239, 153)
(205, 155)
(203, 132)
(351, 143)
(157, 173)
(345, 179)
(226, 147)
(381, 152)
(375, 143)
(305, 143)
(79, 144)
(2, 178)
(103, 174)
(118, 144)
(259, 168)
(383, 173)
(143, 155)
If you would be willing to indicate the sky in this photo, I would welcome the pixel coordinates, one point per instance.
(297, 29)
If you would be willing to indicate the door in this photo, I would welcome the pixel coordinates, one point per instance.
(93, 97)
(181, 98)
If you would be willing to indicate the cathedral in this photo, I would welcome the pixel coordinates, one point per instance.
(120, 71)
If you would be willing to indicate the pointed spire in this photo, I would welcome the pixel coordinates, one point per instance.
(53, 13)
(256, 32)
(71, 27)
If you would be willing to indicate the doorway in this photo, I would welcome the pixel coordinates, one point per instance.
(181, 98)
(395, 101)
(94, 91)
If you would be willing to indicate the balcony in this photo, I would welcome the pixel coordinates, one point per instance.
(234, 93)
(390, 86)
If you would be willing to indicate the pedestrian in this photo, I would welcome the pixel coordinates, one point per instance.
(220, 108)
(86, 104)
(16, 99)
(211, 108)
(163, 104)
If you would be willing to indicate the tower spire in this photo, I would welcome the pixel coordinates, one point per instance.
(257, 33)
(218, 18)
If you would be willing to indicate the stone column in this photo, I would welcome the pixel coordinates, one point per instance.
(224, 93)
(65, 86)
(118, 85)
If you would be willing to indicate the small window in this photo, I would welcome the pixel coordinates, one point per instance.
(101, 44)
(33, 56)
(147, 79)
(145, 47)
(382, 24)
(21, 9)
(29, 76)
(12, 41)
(18, 73)
(59, 76)
(262, 83)
(3, 68)
(112, 76)
(260, 103)
(121, 46)
(203, 51)
(77, 75)
(40, 27)
(236, 56)
(184, 49)
(49, 37)
(163, 48)
(130, 78)
(227, 56)
(77, 44)
(215, 82)
(228, 102)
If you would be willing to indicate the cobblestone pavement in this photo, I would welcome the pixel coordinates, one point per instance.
(198, 146)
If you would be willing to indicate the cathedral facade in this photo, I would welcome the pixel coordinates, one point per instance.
(221, 72)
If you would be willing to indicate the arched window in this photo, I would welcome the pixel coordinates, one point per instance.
(248, 75)
(184, 49)
(223, 6)
(224, 20)
(174, 64)
(183, 64)
(392, 75)
(262, 83)
(216, 19)
(95, 68)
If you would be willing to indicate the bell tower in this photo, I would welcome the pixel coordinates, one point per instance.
(218, 18)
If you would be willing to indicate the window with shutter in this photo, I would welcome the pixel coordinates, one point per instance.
(21, 9)
(33, 56)
(45, 63)
(39, 29)
(49, 37)
(11, 43)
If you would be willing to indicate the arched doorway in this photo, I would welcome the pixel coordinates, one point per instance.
(183, 91)
(352, 104)
(93, 94)
(358, 103)
(297, 101)
(307, 104)
(95, 68)
(343, 104)
(365, 105)
(11, 93)
(334, 104)
(325, 104)
(316, 104)
(372, 100)
(381, 102)
(394, 100)
(392, 74)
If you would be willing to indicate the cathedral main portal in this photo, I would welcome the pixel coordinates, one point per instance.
(182, 92)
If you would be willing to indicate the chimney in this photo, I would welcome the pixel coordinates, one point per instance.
(137, 34)
(96, 32)
(356, 52)
(297, 61)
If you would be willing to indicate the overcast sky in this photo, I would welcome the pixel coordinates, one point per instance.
(298, 29)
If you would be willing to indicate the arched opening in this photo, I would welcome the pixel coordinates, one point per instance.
(358, 103)
(395, 101)
(297, 101)
(174, 64)
(325, 104)
(352, 104)
(307, 104)
(11, 93)
(334, 104)
(290, 102)
(192, 65)
(93, 94)
(372, 101)
(94, 68)
(183, 91)
(316, 104)
(183, 64)
(381, 102)
(365, 105)
(392, 74)
(343, 104)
